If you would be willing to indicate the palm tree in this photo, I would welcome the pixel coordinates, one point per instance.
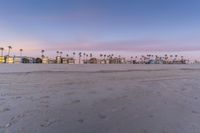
(74, 57)
(176, 56)
(119, 59)
(9, 48)
(20, 50)
(131, 59)
(2, 49)
(42, 51)
(182, 58)
(141, 61)
(57, 52)
(166, 59)
(148, 55)
(84, 54)
(171, 59)
(61, 53)
(86, 58)
(80, 57)
(136, 58)
(74, 54)
(104, 56)
(101, 55)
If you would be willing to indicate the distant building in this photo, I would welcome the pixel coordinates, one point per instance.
(26, 60)
(180, 61)
(131, 62)
(2, 59)
(93, 61)
(103, 61)
(23, 59)
(38, 60)
(64, 61)
(151, 61)
(31, 59)
(58, 60)
(18, 59)
(52, 61)
(70, 60)
(9, 60)
(115, 60)
(123, 60)
(45, 60)
(85, 61)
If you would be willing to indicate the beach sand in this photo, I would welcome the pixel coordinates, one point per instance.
(99, 98)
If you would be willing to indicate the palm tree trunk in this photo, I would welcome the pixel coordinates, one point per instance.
(8, 52)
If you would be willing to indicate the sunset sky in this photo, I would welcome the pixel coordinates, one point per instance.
(101, 25)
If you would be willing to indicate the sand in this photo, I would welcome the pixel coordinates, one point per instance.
(99, 98)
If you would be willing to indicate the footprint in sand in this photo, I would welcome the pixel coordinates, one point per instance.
(92, 92)
(43, 103)
(5, 110)
(110, 89)
(70, 93)
(13, 120)
(17, 97)
(196, 98)
(101, 116)
(81, 120)
(2, 99)
(195, 112)
(145, 131)
(45, 97)
(73, 102)
(48, 123)
(183, 89)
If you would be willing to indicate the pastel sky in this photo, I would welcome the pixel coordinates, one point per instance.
(100, 25)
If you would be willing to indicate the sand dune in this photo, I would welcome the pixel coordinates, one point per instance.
(99, 98)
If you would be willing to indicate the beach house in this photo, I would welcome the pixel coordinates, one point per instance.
(52, 61)
(45, 60)
(115, 60)
(2, 59)
(38, 60)
(64, 61)
(70, 60)
(93, 61)
(18, 59)
(58, 60)
(9, 60)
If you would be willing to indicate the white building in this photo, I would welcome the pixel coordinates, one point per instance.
(9, 60)
(45, 60)
(2, 59)
(18, 60)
